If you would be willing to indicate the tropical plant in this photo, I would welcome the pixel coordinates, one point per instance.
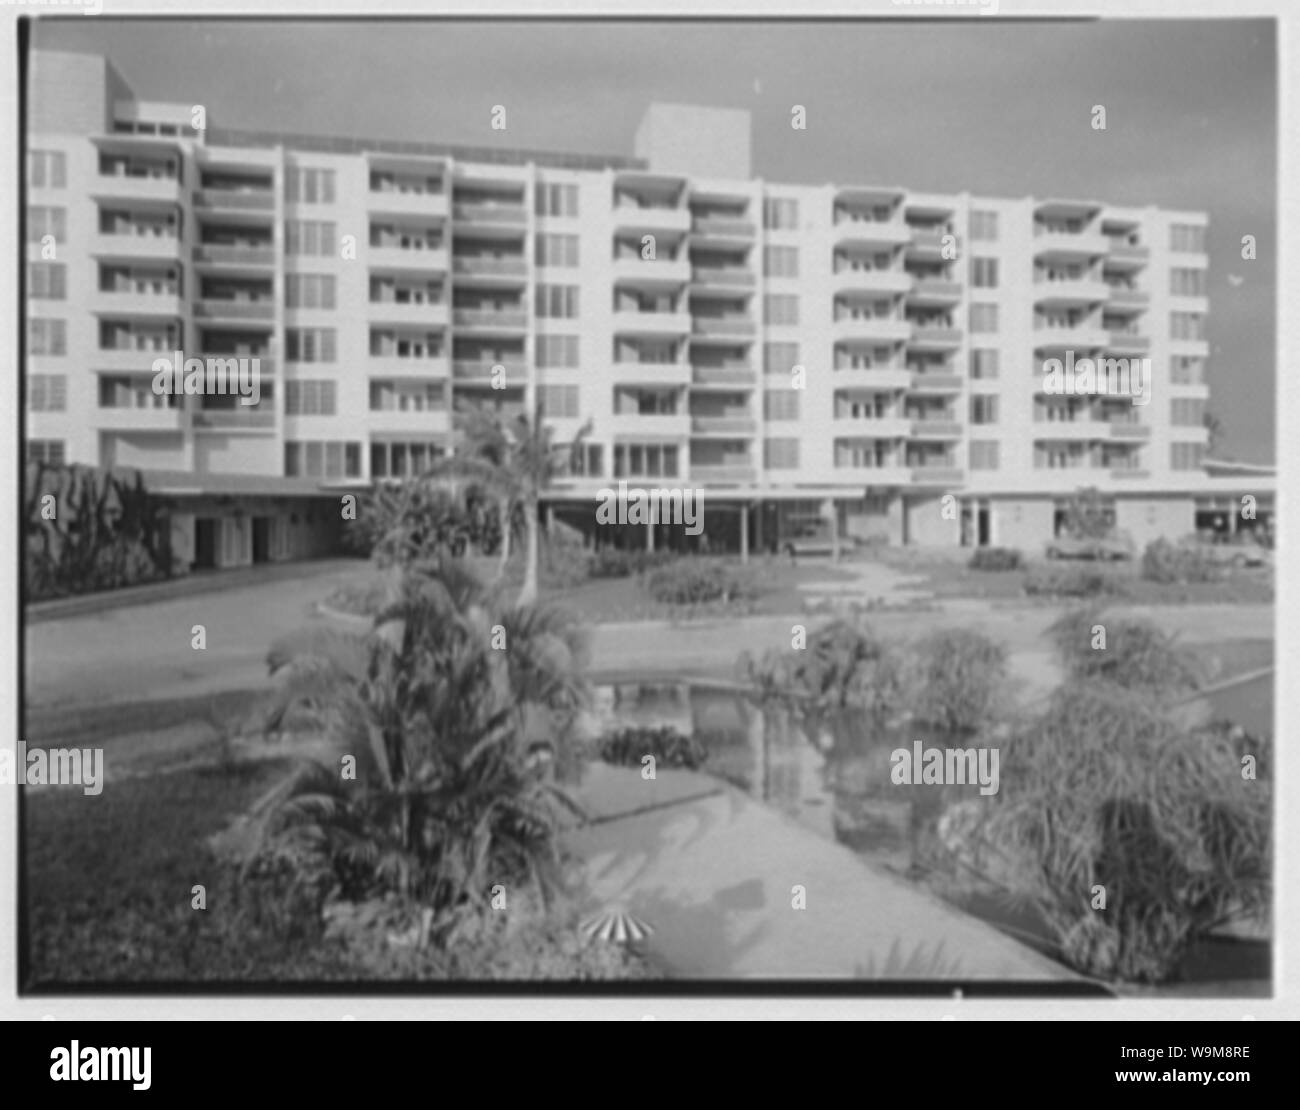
(628, 746)
(995, 558)
(421, 519)
(1072, 582)
(1131, 836)
(956, 679)
(453, 724)
(1167, 562)
(1087, 517)
(1130, 652)
(696, 581)
(513, 462)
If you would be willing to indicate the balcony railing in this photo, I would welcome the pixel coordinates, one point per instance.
(242, 199)
(476, 370)
(235, 255)
(489, 318)
(1128, 341)
(934, 381)
(1129, 474)
(1129, 431)
(735, 473)
(937, 288)
(723, 375)
(943, 474)
(486, 264)
(731, 226)
(723, 325)
(926, 333)
(722, 275)
(723, 425)
(936, 429)
(265, 363)
(490, 213)
(222, 308)
(232, 418)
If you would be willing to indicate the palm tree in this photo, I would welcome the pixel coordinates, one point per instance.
(514, 461)
(448, 797)
(1215, 429)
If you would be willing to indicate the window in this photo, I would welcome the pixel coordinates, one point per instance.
(309, 345)
(46, 451)
(557, 301)
(1186, 456)
(43, 221)
(780, 214)
(559, 402)
(781, 454)
(322, 459)
(1187, 238)
(388, 397)
(649, 460)
(984, 273)
(309, 291)
(303, 186)
(314, 397)
(48, 281)
(780, 358)
(983, 318)
(1187, 283)
(47, 337)
(781, 404)
(47, 392)
(1186, 325)
(309, 237)
(557, 351)
(47, 169)
(984, 408)
(1187, 370)
(983, 225)
(1187, 412)
(781, 308)
(984, 454)
(781, 262)
(983, 364)
(557, 200)
(587, 460)
(557, 250)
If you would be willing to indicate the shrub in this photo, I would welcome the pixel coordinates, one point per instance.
(1105, 790)
(844, 666)
(1071, 582)
(1137, 654)
(626, 747)
(613, 562)
(1167, 562)
(995, 558)
(1087, 516)
(957, 678)
(693, 581)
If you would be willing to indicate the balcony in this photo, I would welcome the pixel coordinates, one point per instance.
(1129, 474)
(1127, 343)
(880, 427)
(931, 382)
(740, 374)
(651, 219)
(926, 337)
(873, 232)
(722, 277)
(651, 324)
(265, 363)
(129, 245)
(393, 257)
(248, 418)
(667, 425)
(739, 326)
(234, 200)
(1127, 253)
(1121, 298)
(123, 186)
(478, 372)
(491, 215)
(432, 421)
(883, 329)
(878, 476)
(732, 228)
(228, 308)
(928, 244)
(1077, 337)
(1069, 244)
(879, 379)
(937, 475)
(214, 254)
(407, 202)
(1071, 291)
(735, 474)
(399, 366)
(130, 360)
(849, 279)
(490, 319)
(727, 427)
(129, 302)
(1072, 431)
(432, 314)
(141, 419)
(489, 266)
(936, 429)
(651, 374)
(935, 291)
(1120, 430)
(657, 272)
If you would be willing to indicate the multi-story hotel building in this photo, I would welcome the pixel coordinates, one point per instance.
(850, 351)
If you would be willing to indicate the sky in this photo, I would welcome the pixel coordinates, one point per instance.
(990, 106)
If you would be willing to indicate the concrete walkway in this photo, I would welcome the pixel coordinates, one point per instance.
(713, 873)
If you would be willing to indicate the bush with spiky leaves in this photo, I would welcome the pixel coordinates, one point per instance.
(1135, 654)
(957, 676)
(1106, 790)
(457, 711)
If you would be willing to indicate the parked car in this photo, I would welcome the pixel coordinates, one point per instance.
(1241, 550)
(1116, 546)
(812, 537)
